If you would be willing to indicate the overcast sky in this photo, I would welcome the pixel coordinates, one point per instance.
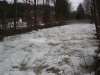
(75, 3)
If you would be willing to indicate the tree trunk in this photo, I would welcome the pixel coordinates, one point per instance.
(43, 11)
(98, 10)
(92, 12)
(15, 14)
(26, 13)
(49, 12)
(95, 17)
(5, 15)
(29, 15)
(35, 15)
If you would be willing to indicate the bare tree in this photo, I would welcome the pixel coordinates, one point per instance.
(87, 10)
(61, 10)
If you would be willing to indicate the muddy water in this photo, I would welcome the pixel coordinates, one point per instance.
(37, 69)
(23, 67)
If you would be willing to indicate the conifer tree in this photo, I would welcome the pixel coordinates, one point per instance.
(80, 12)
(61, 8)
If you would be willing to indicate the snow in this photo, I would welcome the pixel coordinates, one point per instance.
(64, 50)
(20, 20)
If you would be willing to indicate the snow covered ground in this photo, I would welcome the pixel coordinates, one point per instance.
(65, 50)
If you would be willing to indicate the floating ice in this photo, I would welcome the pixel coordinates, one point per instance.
(63, 50)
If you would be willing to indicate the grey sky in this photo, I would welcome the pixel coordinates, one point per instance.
(75, 3)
